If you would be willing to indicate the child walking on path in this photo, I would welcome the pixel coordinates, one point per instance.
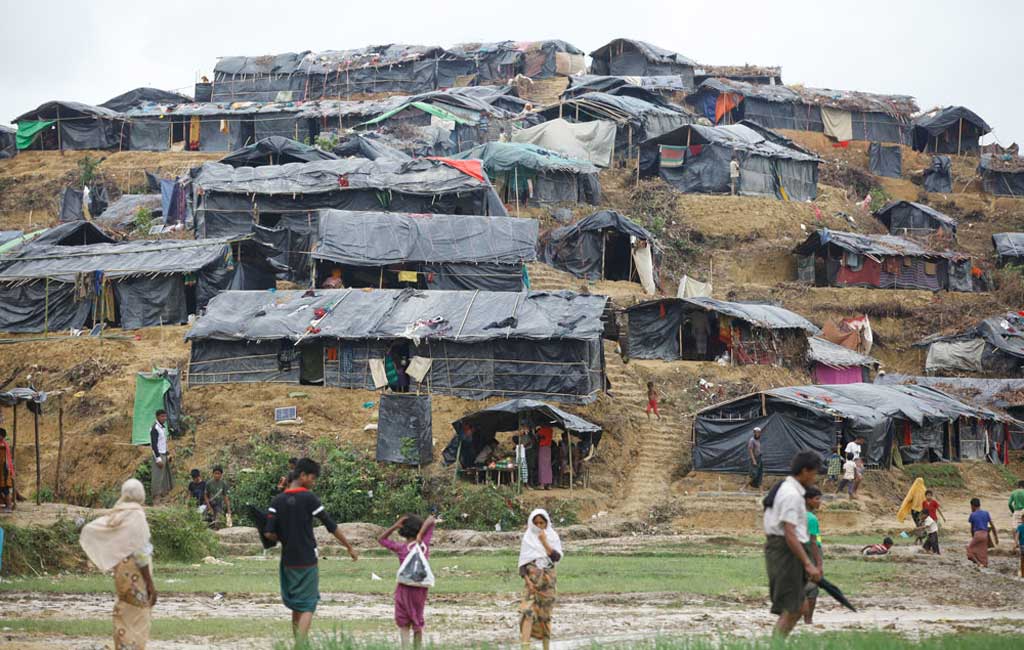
(652, 400)
(409, 601)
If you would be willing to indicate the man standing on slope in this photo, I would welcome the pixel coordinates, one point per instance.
(787, 550)
(754, 452)
(163, 480)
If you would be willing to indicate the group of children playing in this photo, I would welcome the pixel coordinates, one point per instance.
(852, 466)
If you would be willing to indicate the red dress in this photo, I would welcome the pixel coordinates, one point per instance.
(409, 601)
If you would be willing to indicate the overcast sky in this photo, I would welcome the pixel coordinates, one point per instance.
(942, 52)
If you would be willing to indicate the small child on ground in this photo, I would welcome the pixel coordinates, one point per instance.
(409, 601)
(812, 499)
(652, 400)
(878, 549)
(849, 476)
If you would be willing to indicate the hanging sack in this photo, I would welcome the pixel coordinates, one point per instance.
(415, 570)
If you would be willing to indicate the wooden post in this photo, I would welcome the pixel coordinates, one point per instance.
(604, 243)
(60, 144)
(14, 448)
(960, 136)
(516, 181)
(568, 441)
(39, 478)
(764, 405)
(60, 443)
(680, 341)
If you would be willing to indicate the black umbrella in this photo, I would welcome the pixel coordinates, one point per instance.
(260, 518)
(836, 593)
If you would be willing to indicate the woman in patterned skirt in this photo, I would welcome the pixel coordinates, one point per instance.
(540, 550)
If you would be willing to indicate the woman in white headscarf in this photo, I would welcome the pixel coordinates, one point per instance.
(120, 542)
(540, 550)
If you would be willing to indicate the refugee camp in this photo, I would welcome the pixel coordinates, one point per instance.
(683, 326)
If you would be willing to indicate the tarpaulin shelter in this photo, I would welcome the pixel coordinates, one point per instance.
(1002, 175)
(8, 142)
(994, 346)
(370, 146)
(230, 201)
(703, 328)
(953, 129)
(910, 218)
(77, 233)
(514, 415)
(752, 74)
(71, 205)
(275, 150)
(660, 90)
(405, 429)
(530, 174)
(428, 251)
(938, 177)
(839, 114)
(830, 258)
(835, 364)
(924, 424)
(59, 125)
(9, 236)
(627, 57)
(1009, 248)
(635, 120)
(45, 287)
(1006, 395)
(121, 214)
(696, 158)
(334, 115)
(603, 246)
(885, 160)
(498, 62)
(141, 96)
(211, 126)
(155, 390)
(471, 344)
(593, 141)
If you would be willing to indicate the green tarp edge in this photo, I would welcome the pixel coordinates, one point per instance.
(426, 108)
(149, 398)
(28, 129)
(18, 241)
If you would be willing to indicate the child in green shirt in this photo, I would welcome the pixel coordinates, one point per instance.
(812, 497)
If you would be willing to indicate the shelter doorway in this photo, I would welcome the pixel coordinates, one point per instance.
(311, 364)
(617, 256)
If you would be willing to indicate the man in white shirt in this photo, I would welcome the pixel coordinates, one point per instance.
(788, 556)
(734, 175)
(162, 479)
(854, 447)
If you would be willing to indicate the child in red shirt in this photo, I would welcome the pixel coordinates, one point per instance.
(652, 400)
(931, 506)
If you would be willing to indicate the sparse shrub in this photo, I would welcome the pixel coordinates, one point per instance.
(143, 220)
(180, 534)
(39, 549)
(87, 168)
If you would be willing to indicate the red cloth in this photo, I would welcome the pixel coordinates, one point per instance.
(652, 405)
(474, 168)
(544, 436)
(908, 437)
(6, 457)
(931, 506)
(870, 274)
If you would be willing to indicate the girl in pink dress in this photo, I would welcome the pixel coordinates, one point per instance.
(409, 601)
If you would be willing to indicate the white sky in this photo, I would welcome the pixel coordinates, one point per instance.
(942, 52)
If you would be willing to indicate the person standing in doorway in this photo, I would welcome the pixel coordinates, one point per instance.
(754, 452)
(788, 556)
(734, 175)
(162, 479)
(545, 436)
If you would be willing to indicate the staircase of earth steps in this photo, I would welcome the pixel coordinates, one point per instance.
(660, 447)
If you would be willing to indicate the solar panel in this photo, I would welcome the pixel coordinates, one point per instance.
(285, 413)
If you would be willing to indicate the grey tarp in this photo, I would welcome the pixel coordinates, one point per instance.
(151, 300)
(629, 57)
(996, 344)
(281, 124)
(885, 160)
(275, 150)
(938, 177)
(1009, 247)
(81, 126)
(721, 445)
(121, 214)
(536, 174)
(589, 141)
(404, 430)
(36, 307)
(768, 167)
(71, 200)
(8, 143)
(9, 235)
(578, 248)
(836, 356)
(370, 146)
(650, 89)
(953, 129)
(141, 96)
(75, 233)
(907, 217)
(1001, 177)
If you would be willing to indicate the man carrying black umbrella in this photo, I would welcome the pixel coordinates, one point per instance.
(788, 556)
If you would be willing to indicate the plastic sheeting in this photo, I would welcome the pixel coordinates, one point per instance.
(578, 248)
(1009, 247)
(938, 177)
(643, 263)
(837, 123)
(8, 143)
(121, 214)
(141, 96)
(999, 178)
(954, 129)
(690, 288)
(404, 430)
(159, 389)
(590, 141)
(836, 356)
(721, 445)
(630, 57)
(36, 307)
(275, 150)
(885, 160)
(956, 356)
(151, 301)
(907, 217)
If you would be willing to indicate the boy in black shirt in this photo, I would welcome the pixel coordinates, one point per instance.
(290, 521)
(197, 488)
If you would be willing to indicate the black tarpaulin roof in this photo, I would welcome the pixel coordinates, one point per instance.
(68, 110)
(1009, 244)
(275, 150)
(370, 146)
(140, 96)
(850, 100)
(601, 220)
(413, 177)
(759, 315)
(652, 53)
(507, 156)
(1004, 332)
(379, 238)
(938, 121)
(622, 106)
(883, 213)
(836, 356)
(465, 316)
(73, 233)
(734, 136)
(506, 417)
(115, 260)
(990, 393)
(281, 64)
(883, 245)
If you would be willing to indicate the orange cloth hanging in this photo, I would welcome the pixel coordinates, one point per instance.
(725, 103)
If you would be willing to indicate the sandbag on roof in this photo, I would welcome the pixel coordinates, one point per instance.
(836, 356)
(590, 141)
(465, 316)
(380, 238)
(275, 150)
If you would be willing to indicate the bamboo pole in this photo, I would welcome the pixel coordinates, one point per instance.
(60, 443)
(60, 144)
(960, 136)
(604, 242)
(14, 448)
(568, 441)
(516, 181)
(39, 477)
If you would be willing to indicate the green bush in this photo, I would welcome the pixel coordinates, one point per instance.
(87, 167)
(39, 549)
(936, 475)
(180, 534)
(143, 220)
